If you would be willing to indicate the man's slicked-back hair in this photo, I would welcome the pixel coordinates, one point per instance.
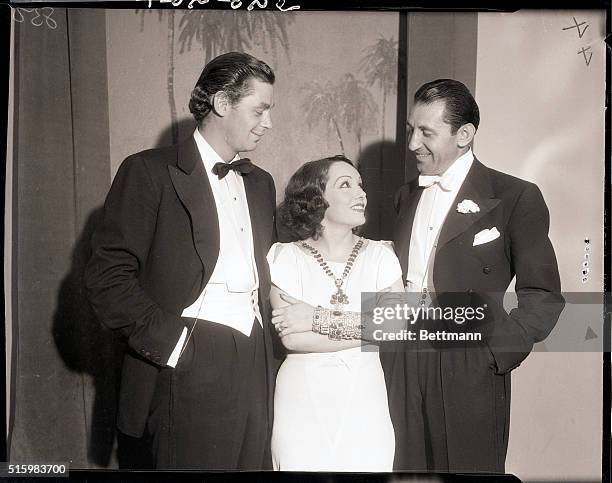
(231, 74)
(460, 105)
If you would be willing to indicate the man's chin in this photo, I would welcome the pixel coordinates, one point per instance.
(422, 168)
(248, 147)
(254, 143)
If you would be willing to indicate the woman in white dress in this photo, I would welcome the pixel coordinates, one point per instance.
(330, 406)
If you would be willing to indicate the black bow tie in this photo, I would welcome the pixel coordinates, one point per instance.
(242, 166)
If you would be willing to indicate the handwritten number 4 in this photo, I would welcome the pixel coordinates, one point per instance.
(577, 27)
(583, 51)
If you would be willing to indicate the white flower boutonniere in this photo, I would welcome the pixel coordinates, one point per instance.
(468, 206)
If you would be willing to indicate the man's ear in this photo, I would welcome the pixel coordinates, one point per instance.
(465, 135)
(221, 103)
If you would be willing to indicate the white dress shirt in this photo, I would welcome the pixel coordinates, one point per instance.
(231, 295)
(434, 204)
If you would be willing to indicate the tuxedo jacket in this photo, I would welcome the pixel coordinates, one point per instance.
(517, 210)
(153, 254)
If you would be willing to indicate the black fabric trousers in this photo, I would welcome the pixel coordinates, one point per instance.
(405, 407)
(465, 411)
(210, 412)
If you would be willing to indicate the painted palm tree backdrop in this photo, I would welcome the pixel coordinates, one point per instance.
(217, 32)
(349, 102)
(224, 31)
(346, 103)
(335, 90)
(379, 65)
(358, 108)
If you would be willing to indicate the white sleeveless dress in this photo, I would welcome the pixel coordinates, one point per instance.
(330, 409)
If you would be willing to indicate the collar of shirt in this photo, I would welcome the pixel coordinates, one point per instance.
(207, 153)
(455, 174)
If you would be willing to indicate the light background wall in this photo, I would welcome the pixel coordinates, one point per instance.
(326, 48)
(542, 119)
(322, 47)
(63, 363)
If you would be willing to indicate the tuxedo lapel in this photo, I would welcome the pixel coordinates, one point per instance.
(261, 214)
(256, 193)
(477, 188)
(193, 188)
(404, 222)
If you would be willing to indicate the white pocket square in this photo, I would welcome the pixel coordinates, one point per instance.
(485, 236)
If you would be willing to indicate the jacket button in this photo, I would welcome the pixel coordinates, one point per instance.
(470, 291)
(486, 270)
(148, 354)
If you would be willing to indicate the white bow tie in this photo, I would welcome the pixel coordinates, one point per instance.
(445, 181)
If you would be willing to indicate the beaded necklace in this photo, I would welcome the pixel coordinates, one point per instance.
(340, 297)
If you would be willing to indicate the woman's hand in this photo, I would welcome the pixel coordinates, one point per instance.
(292, 318)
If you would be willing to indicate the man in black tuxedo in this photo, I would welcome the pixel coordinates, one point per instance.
(462, 233)
(179, 267)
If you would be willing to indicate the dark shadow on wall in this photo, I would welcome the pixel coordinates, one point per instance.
(186, 126)
(382, 176)
(86, 347)
(385, 165)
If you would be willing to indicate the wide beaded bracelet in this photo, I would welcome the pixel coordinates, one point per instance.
(320, 321)
(336, 324)
(351, 322)
(352, 331)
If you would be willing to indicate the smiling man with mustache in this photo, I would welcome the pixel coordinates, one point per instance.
(463, 232)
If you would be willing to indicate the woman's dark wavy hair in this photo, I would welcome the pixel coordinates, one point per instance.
(229, 73)
(459, 105)
(303, 208)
